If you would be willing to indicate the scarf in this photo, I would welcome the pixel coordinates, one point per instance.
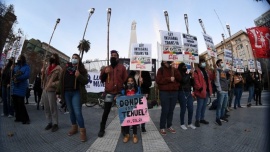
(51, 67)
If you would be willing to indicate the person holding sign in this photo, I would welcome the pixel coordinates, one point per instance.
(71, 86)
(238, 89)
(250, 82)
(168, 79)
(114, 77)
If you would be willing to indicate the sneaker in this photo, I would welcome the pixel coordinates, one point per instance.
(218, 122)
(249, 105)
(224, 119)
(191, 126)
(66, 113)
(49, 126)
(184, 127)
(204, 122)
(143, 130)
(163, 132)
(10, 116)
(101, 133)
(197, 123)
(54, 128)
(171, 130)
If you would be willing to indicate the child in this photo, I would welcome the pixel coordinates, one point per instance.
(131, 89)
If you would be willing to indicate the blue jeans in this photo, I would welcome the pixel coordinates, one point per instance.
(186, 102)
(221, 104)
(168, 101)
(7, 105)
(238, 94)
(201, 106)
(73, 101)
(251, 94)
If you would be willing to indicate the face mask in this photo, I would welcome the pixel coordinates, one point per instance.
(113, 61)
(130, 85)
(221, 65)
(74, 61)
(203, 64)
(52, 60)
(184, 70)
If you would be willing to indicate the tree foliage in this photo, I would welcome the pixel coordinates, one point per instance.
(84, 46)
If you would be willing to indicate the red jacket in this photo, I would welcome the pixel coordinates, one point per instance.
(163, 79)
(199, 82)
(115, 80)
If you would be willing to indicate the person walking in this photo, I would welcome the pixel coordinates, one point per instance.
(222, 86)
(72, 89)
(185, 98)
(37, 89)
(168, 83)
(51, 76)
(250, 79)
(202, 90)
(238, 89)
(114, 77)
(20, 75)
(5, 84)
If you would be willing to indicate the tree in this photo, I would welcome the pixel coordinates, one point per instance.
(84, 46)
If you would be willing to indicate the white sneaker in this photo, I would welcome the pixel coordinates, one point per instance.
(184, 127)
(10, 116)
(191, 126)
(66, 113)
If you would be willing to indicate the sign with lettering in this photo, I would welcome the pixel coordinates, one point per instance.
(251, 65)
(211, 50)
(94, 83)
(228, 59)
(132, 110)
(239, 66)
(259, 67)
(141, 57)
(190, 48)
(171, 46)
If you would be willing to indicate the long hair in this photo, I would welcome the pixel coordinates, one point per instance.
(81, 67)
(23, 59)
(57, 60)
(135, 84)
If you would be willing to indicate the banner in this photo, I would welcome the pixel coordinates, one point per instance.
(171, 46)
(140, 55)
(228, 59)
(259, 38)
(190, 48)
(17, 48)
(210, 45)
(94, 83)
(251, 65)
(239, 66)
(132, 110)
(259, 67)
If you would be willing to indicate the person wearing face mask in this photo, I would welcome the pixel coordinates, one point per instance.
(71, 87)
(168, 79)
(222, 86)
(202, 90)
(113, 76)
(50, 82)
(5, 84)
(20, 76)
(185, 98)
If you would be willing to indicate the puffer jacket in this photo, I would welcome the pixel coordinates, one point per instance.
(163, 79)
(22, 74)
(199, 82)
(51, 81)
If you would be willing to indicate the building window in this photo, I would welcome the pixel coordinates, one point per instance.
(237, 41)
(239, 47)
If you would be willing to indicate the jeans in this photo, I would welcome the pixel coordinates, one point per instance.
(168, 101)
(73, 101)
(238, 94)
(7, 105)
(201, 106)
(186, 102)
(230, 94)
(221, 104)
(251, 93)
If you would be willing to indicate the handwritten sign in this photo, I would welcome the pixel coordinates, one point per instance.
(190, 48)
(210, 45)
(132, 110)
(141, 57)
(94, 83)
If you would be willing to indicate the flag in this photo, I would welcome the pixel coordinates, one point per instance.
(259, 38)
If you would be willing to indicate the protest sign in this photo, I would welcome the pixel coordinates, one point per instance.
(190, 48)
(239, 66)
(140, 58)
(227, 59)
(259, 67)
(210, 45)
(251, 65)
(132, 110)
(94, 83)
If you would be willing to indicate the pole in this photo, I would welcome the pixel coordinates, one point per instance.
(109, 11)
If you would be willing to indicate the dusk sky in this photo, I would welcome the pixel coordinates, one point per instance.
(37, 19)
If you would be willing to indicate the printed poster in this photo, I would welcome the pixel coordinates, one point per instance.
(140, 57)
(132, 110)
(171, 45)
(210, 45)
(259, 67)
(251, 65)
(227, 59)
(190, 48)
(94, 83)
(239, 66)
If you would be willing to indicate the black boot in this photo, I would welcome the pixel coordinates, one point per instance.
(102, 130)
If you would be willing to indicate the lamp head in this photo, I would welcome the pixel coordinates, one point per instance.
(200, 20)
(228, 26)
(185, 16)
(165, 13)
(109, 10)
(222, 35)
(92, 10)
(58, 20)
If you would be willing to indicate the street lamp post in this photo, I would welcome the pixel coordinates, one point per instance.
(186, 22)
(201, 22)
(91, 12)
(167, 20)
(109, 11)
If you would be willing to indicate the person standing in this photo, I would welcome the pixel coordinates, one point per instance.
(20, 75)
(50, 82)
(114, 77)
(222, 86)
(37, 90)
(258, 89)
(185, 98)
(168, 83)
(5, 84)
(72, 89)
(250, 79)
(238, 89)
(231, 88)
(202, 90)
